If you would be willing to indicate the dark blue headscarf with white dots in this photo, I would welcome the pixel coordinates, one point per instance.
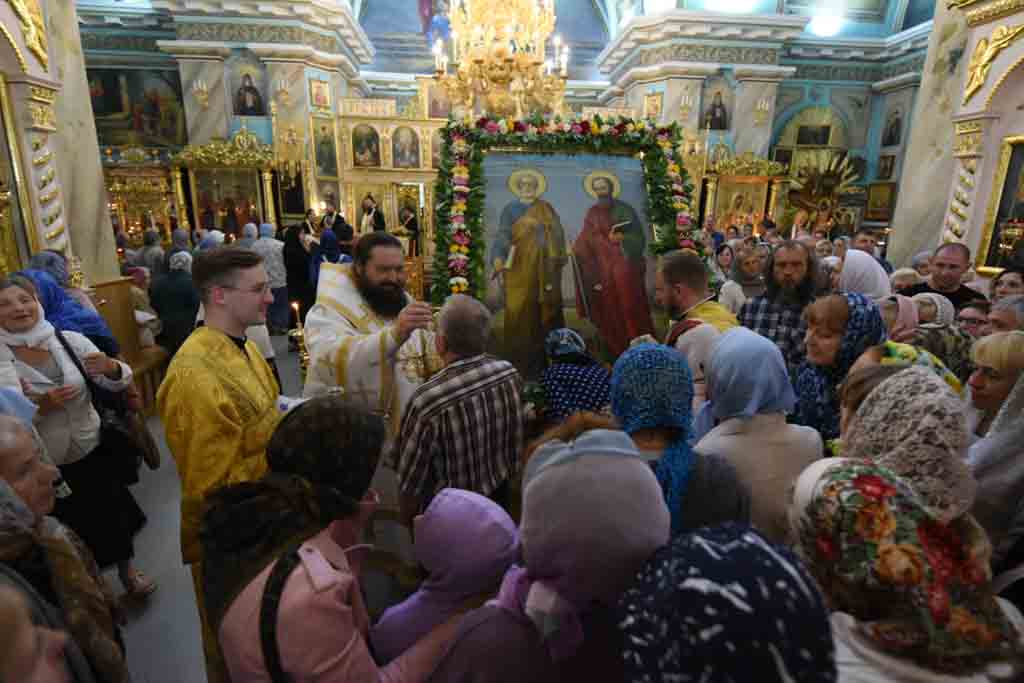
(725, 604)
(652, 388)
(574, 381)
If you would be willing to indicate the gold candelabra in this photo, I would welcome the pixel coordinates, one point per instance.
(498, 54)
(298, 335)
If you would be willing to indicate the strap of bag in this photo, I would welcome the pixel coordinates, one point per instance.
(89, 383)
(269, 605)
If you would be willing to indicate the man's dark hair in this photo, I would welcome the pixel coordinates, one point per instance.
(768, 224)
(805, 292)
(218, 267)
(962, 248)
(685, 268)
(363, 249)
(980, 304)
(866, 231)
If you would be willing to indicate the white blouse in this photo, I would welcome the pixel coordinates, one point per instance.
(72, 431)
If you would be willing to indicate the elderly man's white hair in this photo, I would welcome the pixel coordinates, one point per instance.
(250, 231)
(465, 323)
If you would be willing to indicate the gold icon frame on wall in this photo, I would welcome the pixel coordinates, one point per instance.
(314, 122)
(318, 87)
(988, 228)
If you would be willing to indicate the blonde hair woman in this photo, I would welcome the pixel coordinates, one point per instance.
(997, 394)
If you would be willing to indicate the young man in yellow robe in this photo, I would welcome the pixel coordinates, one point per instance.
(366, 335)
(218, 402)
(681, 288)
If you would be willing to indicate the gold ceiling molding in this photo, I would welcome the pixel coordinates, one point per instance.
(17, 49)
(244, 150)
(985, 11)
(985, 52)
(33, 28)
(747, 164)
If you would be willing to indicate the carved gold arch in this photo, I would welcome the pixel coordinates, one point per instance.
(243, 151)
(19, 55)
(815, 116)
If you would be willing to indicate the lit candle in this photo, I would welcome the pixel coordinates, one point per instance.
(565, 60)
(437, 55)
(298, 318)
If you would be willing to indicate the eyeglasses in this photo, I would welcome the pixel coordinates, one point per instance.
(968, 320)
(259, 289)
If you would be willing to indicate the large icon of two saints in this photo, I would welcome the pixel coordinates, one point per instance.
(566, 247)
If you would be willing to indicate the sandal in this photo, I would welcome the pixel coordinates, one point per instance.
(138, 585)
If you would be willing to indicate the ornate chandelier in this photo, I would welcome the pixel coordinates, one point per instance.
(498, 54)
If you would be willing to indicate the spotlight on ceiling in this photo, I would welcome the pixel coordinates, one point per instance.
(826, 23)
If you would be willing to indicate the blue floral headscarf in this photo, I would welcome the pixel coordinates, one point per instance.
(816, 386)
(66, 314)
(652, 387)
(563, 342)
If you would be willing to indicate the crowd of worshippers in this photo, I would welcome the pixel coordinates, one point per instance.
(819, 480)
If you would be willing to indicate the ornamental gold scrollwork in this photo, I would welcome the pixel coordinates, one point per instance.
(747, 164)
(42, 159)
(47, 178)
(45, 199)
(52, 218)
(989, 11)
(42, 94)
(985, 52)
(51, 236)
(954, 209)
(42, 116)
(244, 150)
(969, 136)
(33, 28)
(18, 54)
(961, 197)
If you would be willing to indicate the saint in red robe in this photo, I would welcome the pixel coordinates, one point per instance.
(612, 271)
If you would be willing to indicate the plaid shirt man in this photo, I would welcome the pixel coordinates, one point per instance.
(782, 323)
(463, 429)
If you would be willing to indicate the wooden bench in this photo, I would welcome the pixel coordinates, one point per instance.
(114, 302)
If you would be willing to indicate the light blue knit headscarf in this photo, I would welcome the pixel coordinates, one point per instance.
(651, 388)
(747, 376)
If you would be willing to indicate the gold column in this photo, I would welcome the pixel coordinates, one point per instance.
(268, 195)
(777, 188)
(10, 261)
(179, 196)
(709, 205)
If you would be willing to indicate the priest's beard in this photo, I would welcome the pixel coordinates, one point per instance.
(386, 300)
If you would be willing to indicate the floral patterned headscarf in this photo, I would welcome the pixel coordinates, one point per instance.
(915, 425)
(919, 589)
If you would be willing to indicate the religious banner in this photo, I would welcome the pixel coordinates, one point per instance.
(567, 234)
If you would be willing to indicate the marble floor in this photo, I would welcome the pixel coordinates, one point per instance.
(163, 637)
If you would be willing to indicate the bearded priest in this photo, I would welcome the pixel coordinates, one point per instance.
(366, 335)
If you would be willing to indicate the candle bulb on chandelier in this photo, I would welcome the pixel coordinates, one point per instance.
(437, 55)
(565, 61)
(298, 317)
